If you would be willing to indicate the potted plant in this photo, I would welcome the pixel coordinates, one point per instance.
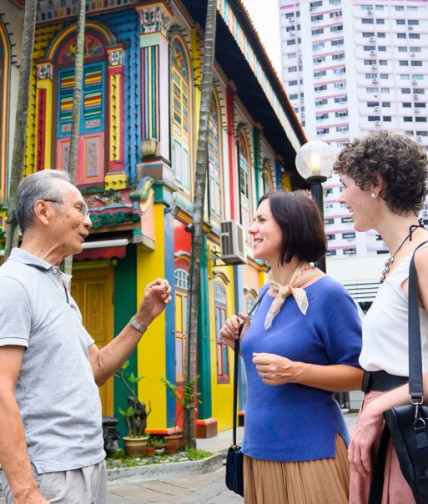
(135, 414)
(154, 444)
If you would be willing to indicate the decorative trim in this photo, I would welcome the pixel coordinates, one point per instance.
(115, 181)
(154, 18)
(44, 70)
(220, 275)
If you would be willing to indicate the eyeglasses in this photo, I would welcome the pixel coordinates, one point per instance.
(81, 206)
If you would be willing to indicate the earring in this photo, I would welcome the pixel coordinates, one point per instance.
(373, 195)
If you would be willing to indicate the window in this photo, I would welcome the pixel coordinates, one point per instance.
(244, 180)
(318, 59)
(403, 63)
(386, 104)
(323, 101)
(331, 253)
(412, 22)
(347, 220)
(220, 319)
(348, 236)
(93, 122)
(414, 36)
(401, 35)
(318, 46)
(341, 113)
(327, 222)
(342, 129)
(349, 251)
(320, 117)
(291, 42)
(181, 115)
(318, 31)
(416, 63)
(407, 119)
(400, 21)
(339, 85)
(214, 160)
(339, 56)
(318, 17)
(181, 329)
(319, 74)
(341, 99)
(420, 119)
(367, 21)
(336, 42)
(336, 28)
(330, 236)
(322, 87)
(387, 118)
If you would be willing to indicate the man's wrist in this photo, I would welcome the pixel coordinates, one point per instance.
(139, 325)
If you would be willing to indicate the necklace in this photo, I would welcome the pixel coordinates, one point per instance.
(391, 259)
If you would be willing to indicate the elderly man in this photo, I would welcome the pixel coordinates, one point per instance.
(51, 444)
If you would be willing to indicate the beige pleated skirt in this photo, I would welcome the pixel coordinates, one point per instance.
(324, 481)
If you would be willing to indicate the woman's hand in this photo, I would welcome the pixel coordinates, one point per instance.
(365, 433)
(229, 332)
(276, 370)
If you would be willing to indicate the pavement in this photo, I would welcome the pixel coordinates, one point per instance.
(185, 482)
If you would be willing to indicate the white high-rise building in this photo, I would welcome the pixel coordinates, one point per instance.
(350, 67)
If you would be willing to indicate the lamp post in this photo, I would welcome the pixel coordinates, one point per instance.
(314, 162)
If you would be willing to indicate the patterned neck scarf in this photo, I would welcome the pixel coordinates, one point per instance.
(303, 273)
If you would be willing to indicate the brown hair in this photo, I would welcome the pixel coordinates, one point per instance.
(399, 162)
(301, 224)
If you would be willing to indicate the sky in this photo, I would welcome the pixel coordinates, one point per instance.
(264, 14)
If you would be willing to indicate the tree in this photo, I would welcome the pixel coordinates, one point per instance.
(198, 214)
(77, 101)
(20, 138)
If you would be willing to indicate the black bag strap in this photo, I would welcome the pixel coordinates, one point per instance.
(235, 373)
(416, 387)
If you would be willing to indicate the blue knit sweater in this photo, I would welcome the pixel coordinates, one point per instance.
(294, 422)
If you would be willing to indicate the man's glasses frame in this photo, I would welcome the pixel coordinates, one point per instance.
(81, 206)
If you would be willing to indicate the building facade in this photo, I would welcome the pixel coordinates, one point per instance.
(136, 169)
(363, 68)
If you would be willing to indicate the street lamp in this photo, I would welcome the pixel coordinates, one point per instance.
(314, 162)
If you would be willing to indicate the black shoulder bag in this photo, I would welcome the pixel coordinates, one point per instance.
(235, 457)
(408, 424)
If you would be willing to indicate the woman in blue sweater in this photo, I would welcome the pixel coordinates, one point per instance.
(301, 346)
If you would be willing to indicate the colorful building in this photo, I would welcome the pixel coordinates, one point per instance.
(137, 154)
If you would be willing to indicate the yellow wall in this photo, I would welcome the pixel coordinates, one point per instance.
(151, 349)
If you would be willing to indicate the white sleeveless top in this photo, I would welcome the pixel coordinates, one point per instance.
(385, 327)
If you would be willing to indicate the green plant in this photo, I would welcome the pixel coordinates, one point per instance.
(194, 454)
(190, 395)
(156, 441)
(136, 413)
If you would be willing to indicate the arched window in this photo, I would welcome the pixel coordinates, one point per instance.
(267, 177)
(181, 113)
(220, 319)
(92, 138)
(244, 180)
(181, 330)
(214, 160)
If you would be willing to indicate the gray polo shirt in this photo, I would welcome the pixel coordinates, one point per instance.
(56, 391)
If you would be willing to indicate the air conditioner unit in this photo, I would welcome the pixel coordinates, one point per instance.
(377, 123)
(370, 12)
(375, 81)
(416, 97)
(372, 39)
(372, 53)
(376, 109)
(417, 111)
(291, 20)
(412, 55)
(291, 33)
(415, 82)
(232, 242)
(374, 67)
(419, 138)
(410, 27)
